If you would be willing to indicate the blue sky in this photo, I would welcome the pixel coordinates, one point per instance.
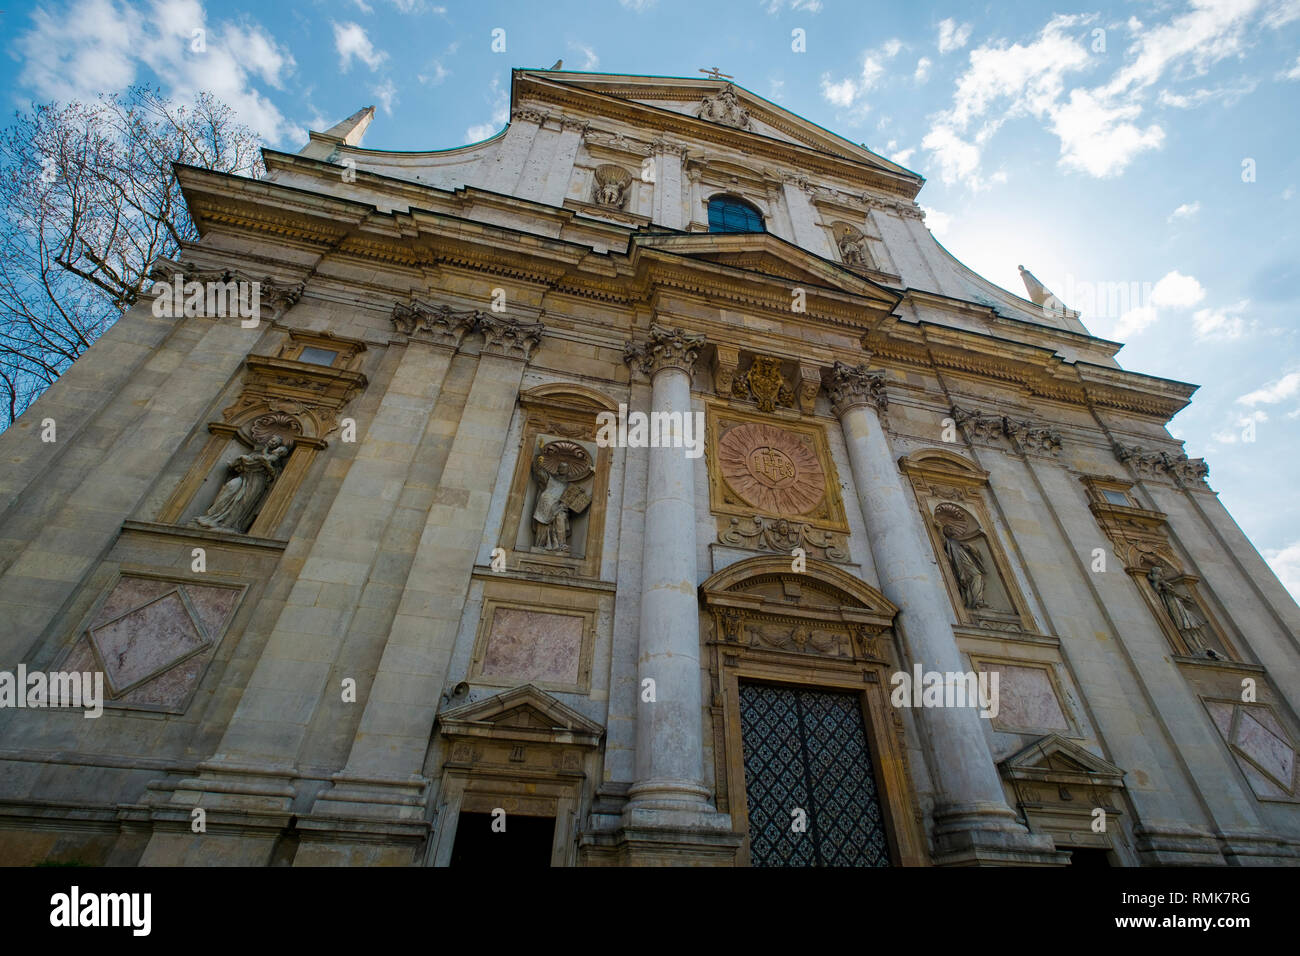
(1149, 147)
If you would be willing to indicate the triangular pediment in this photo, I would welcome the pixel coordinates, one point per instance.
(763, 255)
(1057, 759)
(524, 708)
(686, 95)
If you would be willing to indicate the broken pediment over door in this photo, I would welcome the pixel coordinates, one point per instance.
(1060, 787)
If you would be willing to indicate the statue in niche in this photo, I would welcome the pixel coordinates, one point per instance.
(252, 475)
(1181, 611)
(609, 186)
(852, 245)
(967, 567)
(559, 469)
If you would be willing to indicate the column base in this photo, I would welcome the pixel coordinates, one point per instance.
(990, 835)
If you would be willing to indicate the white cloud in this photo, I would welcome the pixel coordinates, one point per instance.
(1289, 192)
(1100, 140)
(1186, 211)
(951, 36)
(590, 59)
(1274, 392)
(386, 94)
(99, 46)
(848, 92)
(1229, 93)
(936, 220)
(350, 40)
(436, 74)
(1293, 73)
(1177, 291)
(1225, 323)
(1281, 13)
(1211, 31)
(958, 160)
(638, 5)
(363, 6)
(1245, 429)
(776, 6)
(775, 88)
(500, 114)
(922, 70)
(1134, 321)
(1285, 563)
(839, 94)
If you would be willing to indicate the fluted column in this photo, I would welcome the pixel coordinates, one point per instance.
(669, 734)
(973, 823)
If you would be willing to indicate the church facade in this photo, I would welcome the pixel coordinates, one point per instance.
(643, 485)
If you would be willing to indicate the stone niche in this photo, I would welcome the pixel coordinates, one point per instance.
(950, 492)
(1140, 540)
(290, 401)
(554, 519)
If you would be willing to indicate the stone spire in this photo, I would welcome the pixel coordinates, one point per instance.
(353, 128)
(1038, 293)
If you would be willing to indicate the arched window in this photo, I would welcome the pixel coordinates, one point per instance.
(729, 214)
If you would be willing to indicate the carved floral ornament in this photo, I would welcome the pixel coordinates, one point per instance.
(667, 348)
(448, 327)
(1180, 468)
(1024, 435)
(275, 296)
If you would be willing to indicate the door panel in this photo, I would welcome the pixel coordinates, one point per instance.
(807, 749)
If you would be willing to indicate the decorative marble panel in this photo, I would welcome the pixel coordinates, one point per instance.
(1262, 747)
(153, 639)
(1027, 698)
(534, 647)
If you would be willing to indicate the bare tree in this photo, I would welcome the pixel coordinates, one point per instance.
(88, 201)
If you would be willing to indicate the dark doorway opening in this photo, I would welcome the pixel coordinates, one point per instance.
(526, 841)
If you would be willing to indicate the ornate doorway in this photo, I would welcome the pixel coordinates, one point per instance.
(809, 782)
(801, 720)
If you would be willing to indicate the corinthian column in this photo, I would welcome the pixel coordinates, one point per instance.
(669, 727)
(973, 823)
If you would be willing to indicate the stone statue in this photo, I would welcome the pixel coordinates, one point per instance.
(1181, 612)
(237, 501)
(852, 252)
(609, 185)
(967, 567)
(559, 468)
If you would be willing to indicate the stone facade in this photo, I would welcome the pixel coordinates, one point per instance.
(371, 567)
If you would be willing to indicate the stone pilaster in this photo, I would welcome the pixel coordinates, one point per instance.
(561, 170)
(382, 779)
(667, 210)
(291, 686)
(973, 824)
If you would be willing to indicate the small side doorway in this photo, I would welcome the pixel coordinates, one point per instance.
(485, 840)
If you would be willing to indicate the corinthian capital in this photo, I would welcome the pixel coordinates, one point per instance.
(508, 337)
(851, 385)
(667, 348)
